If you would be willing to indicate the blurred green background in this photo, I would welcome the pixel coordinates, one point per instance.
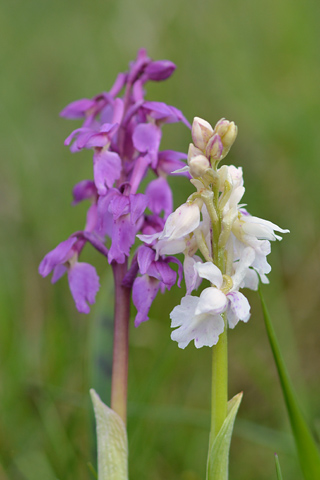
(254, 62)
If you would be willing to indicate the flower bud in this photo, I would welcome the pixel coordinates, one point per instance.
(193, 152)
(201, 132)
(198, 165)
(214, 147)
(228, 133)
(160, 70)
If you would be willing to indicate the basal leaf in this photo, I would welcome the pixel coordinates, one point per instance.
(112, 442)
(218, 456)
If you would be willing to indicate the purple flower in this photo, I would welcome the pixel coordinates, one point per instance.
(156, 275)
(82, 277)
(124, 132)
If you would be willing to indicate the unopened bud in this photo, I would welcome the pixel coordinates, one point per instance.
(193, 152)
(228, 133)
(214, 147)
(201, 132)
(198, 165)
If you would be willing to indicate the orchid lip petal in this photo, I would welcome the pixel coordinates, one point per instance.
(212, 300)
(210, 272)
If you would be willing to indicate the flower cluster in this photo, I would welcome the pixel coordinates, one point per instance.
(233, 243)
(124, 133)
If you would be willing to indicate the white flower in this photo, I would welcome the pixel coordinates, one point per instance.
(247, 227)
(256, 233)
(182, 221)
(199, 318)
(204, 329)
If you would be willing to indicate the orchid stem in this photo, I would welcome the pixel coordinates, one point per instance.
(219, 395)
(119, 382)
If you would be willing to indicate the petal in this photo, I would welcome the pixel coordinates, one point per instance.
(165, 113)
(144, 291)
(238, 308)
(145, 257)
(123, 237)
(119, 205)
(84, 285)
(261, 228)
(92, 218)
(107, 168)
(160, 70)
(181, 222)
(83, 190)
(251, 280)
(57, 256)
(138, 204)
(105, 218)
(58, 272)
(149, 239)
(146, 139)
(169, 160)
(163, 272)
(190, 275)
(118, 84)
(203, 329)
(169, 247)
(241, 267)
(159, 197)
(77, 109)
(209, 271)
(211, 300)
(180, 268)
(80, 133)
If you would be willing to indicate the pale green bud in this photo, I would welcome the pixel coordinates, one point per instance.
(228, 133)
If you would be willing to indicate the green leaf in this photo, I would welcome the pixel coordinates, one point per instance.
(218, 457)
(112, 442)
(278, 469)
(307, 449)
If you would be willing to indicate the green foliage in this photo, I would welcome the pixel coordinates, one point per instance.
(218, 456)
(278, 469)
(112, 442)
(307, 449)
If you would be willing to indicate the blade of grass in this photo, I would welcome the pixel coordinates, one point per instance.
(278, 469)
(307, 449)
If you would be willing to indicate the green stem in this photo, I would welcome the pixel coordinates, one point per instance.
(119, 382)
(219, 397)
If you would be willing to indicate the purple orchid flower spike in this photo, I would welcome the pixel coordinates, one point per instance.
(124, 132)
